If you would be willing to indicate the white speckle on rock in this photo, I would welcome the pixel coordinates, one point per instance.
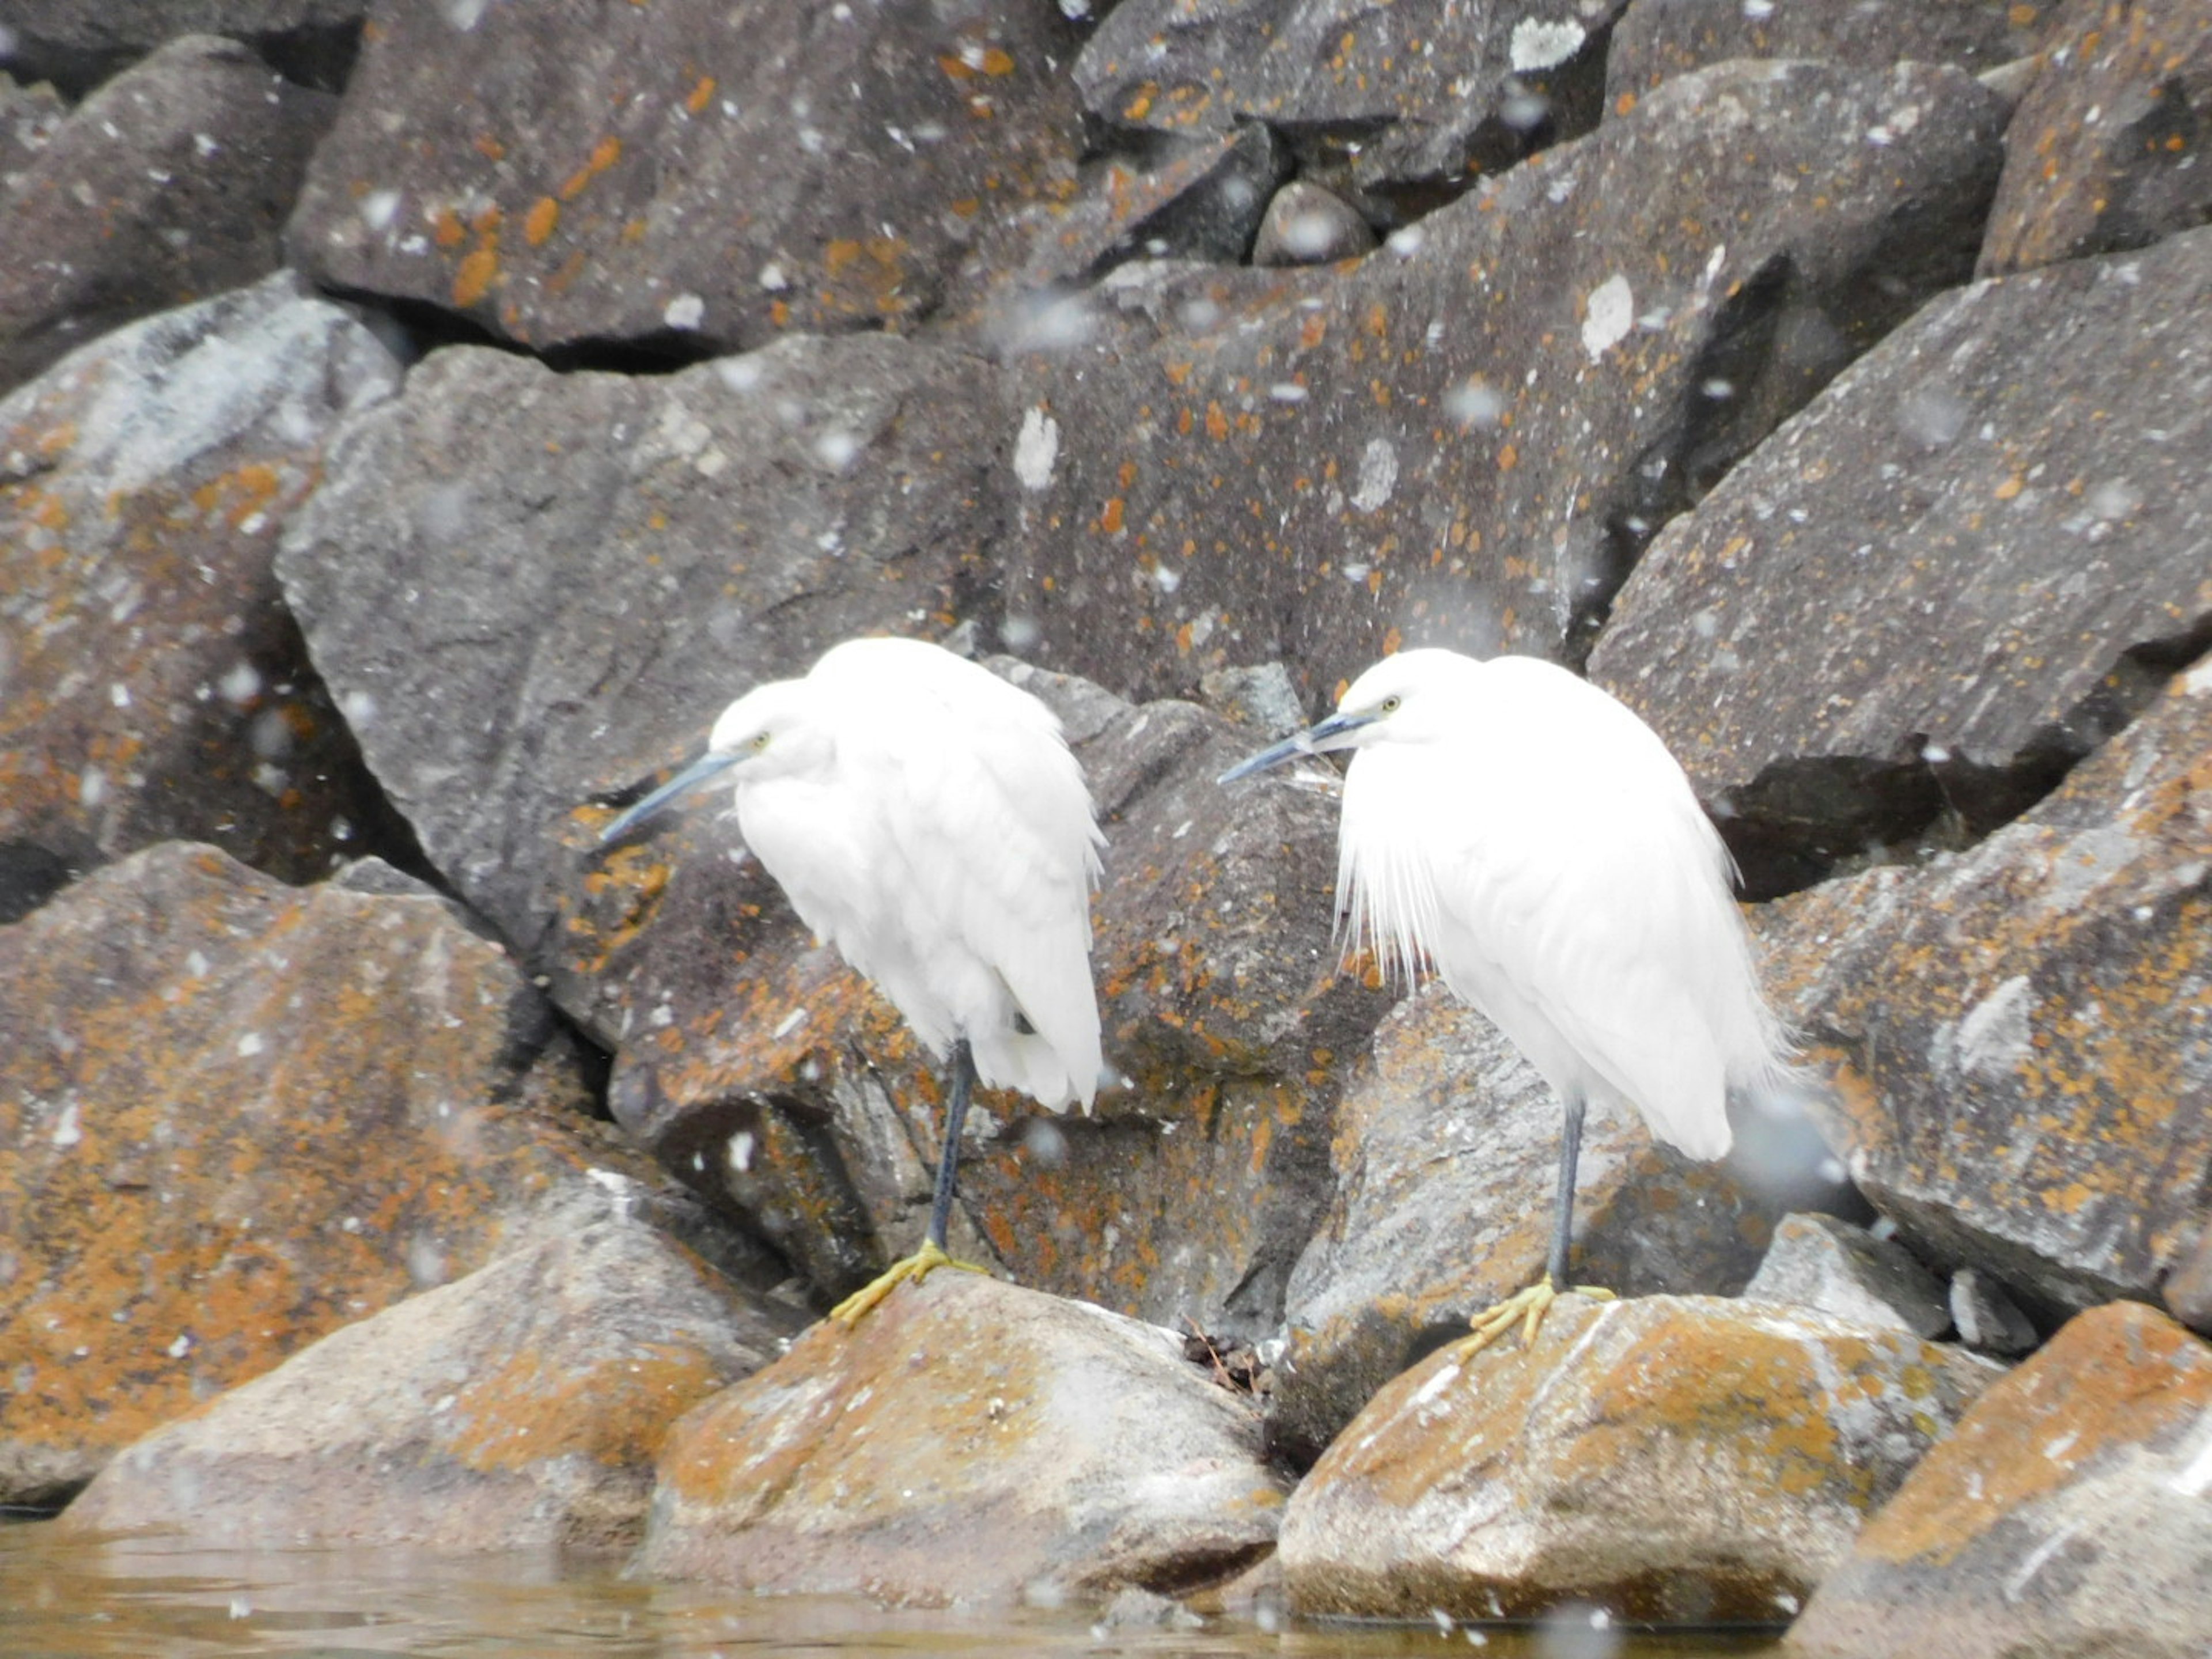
(1036, 449)
(249, 1045)
(685, 311)
(1540, 44)
(1993, 1038)
(1378, 475)
(1609, 314)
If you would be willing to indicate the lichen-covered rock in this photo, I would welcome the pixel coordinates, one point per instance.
(1446, 1157)
(1658, 39)
(518, 1407)
(2069, 1513)
(171, 183)
(1680, 1460)
(1819, 1262)
(2015, 1038)
(968, 1441)
(1202, 200)
(78, 45)
(235, 1115)
(1984, 546)
(155, 688)
(2108, 148)
(692, 173)
(754, 1057)
(1466, 439)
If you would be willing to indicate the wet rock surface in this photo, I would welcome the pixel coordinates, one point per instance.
(968, 1441)
(171, 183)
(520, 1405)
(1687, 1460)
(2066, 1515)
(156, 686)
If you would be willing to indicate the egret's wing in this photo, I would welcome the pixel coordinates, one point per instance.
(991, 851)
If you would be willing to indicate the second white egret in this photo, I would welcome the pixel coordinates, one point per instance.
(927, 818)
(1528, 835)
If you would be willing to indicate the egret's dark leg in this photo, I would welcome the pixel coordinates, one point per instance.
(960, 1075)
(1571, 1148)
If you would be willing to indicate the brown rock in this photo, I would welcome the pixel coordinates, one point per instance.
(1446, 1154)
(969, 1441)
(2013, 1038)
(171, 183)
(2068, 1514)
(518, 1408)
(1675, 1460)
(235, 1115)
(691, 174)
(1965, 566)
(154, 687)
(2107, 149)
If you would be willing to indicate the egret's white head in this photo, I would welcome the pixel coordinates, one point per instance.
(1401, 699)
(771, 731)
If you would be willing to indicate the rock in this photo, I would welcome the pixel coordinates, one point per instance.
(2069, 1514)
(2047, 423)
(78, 46)
(29, 118)
(2106, 150)
(968, 1441)
(156, 687)
(1366, 105)
(235, 1115)
(1447, 1155)
(1678, 1459)
(1203, 201)
(1263, 701)
(2013, 1038)
(1819, 1262)
(790, 1082)
(640, 550)
(1306, 225)
(1987, 1319)
(521, 1406)
(1659, 40)
(171, 183)
(688, 177)
(1466, 439)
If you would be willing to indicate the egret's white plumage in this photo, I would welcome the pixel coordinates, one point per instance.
(1529, 836)
(927, 818)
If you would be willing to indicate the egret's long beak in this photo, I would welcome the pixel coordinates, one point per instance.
(1315, 739)
(700, 772)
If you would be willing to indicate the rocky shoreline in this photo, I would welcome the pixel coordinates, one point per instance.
(417, 420)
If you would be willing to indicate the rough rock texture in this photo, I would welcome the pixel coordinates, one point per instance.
(567, 173)
(1465, 440)
(2019, 1038)
(1203, 200)
(529, 589)
(235, 1115)
(172, 183)
(521, 1406)
(29, 118)
(2070, 1513)
(2111, 145)
(1987, 545)
(78, 44)
(968, 1441)
(154, 686)
(753, 1058)
(1817, 1261)
(1447, 1158)
(1659, 40)
(1683, 1460)
(1400, 103)
(1306, 225)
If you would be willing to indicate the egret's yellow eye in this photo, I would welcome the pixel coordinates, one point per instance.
(1390, 705)
(760, 740)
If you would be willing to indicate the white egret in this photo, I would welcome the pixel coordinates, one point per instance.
(1528, 836)
(925, 817)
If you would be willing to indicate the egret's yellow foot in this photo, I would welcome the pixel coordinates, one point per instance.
(927, 1259)
(1524, 1307)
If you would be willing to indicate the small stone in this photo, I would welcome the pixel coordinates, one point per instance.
(1308, 225)
(1987, 1319)
(1819, 1261)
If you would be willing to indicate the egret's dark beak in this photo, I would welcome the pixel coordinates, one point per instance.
(1314, 741)
(700, 773)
